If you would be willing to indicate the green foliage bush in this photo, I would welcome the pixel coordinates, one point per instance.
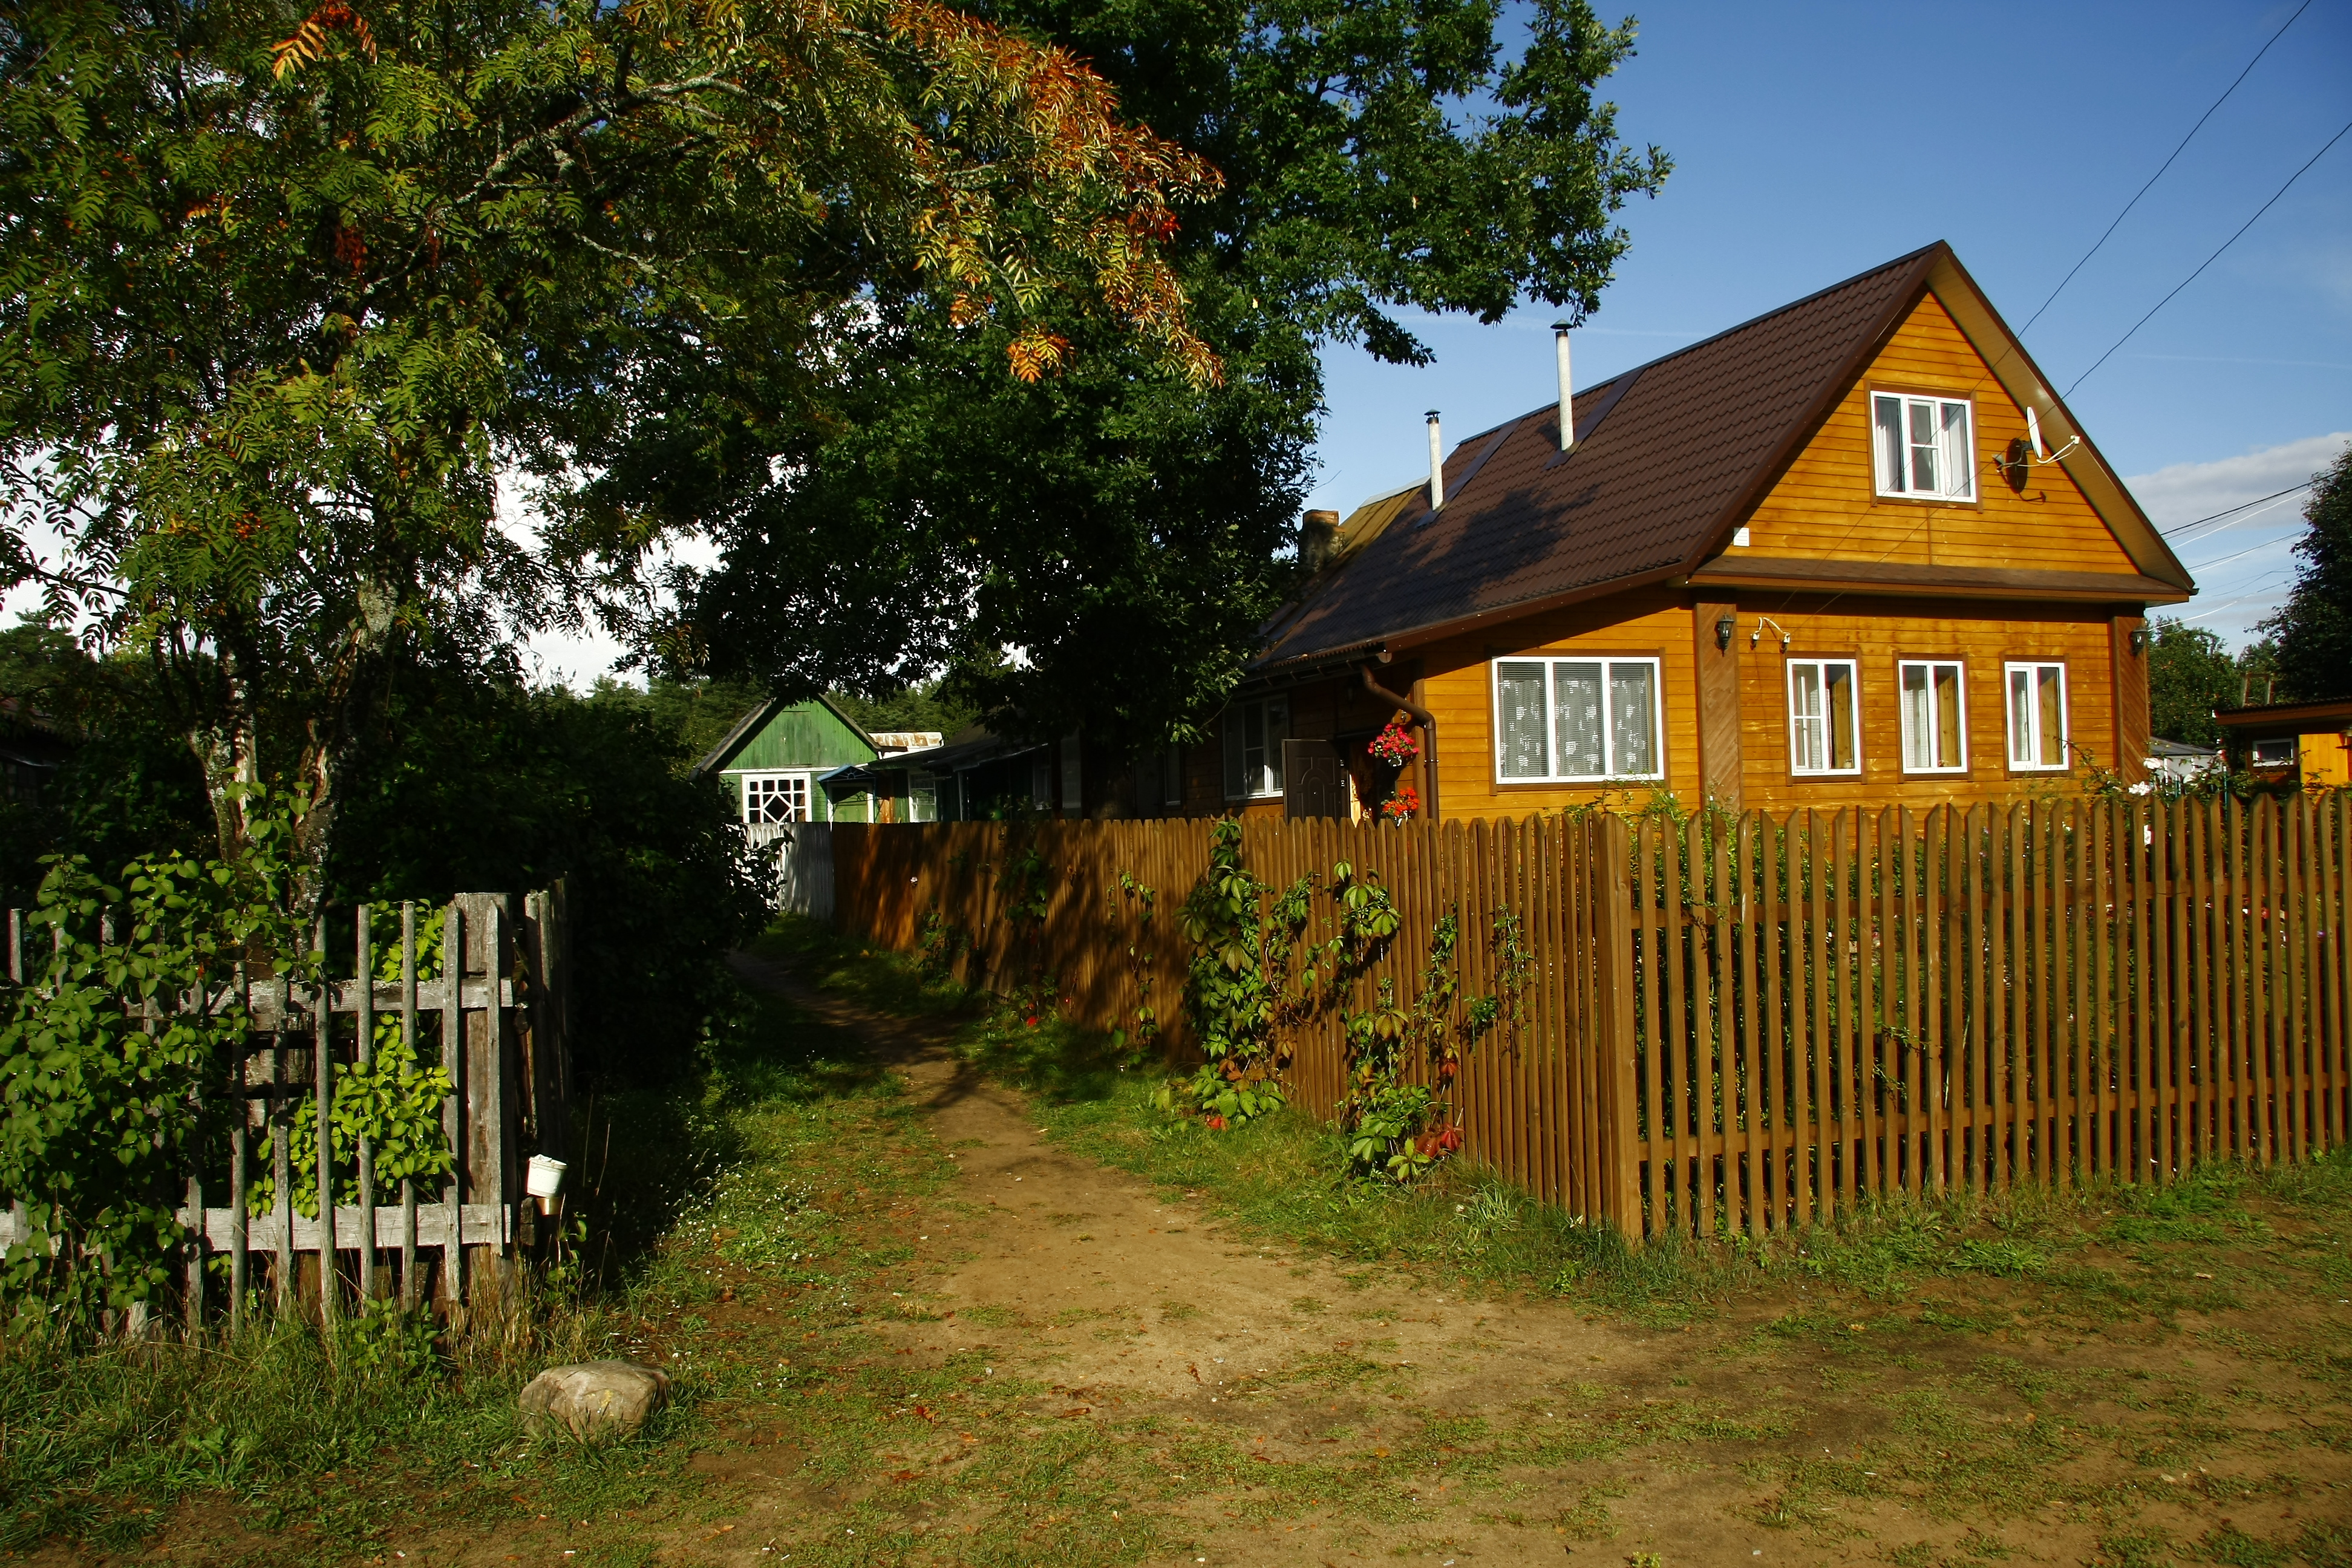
(492, 786)
(103, 1115)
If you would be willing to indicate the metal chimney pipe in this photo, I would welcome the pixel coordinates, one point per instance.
(1567, 388)
(1436, 465)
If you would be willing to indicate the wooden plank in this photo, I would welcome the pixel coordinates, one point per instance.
(1748, 1017)
(453, 1105)
(2259, 976)
(1614, 932)
(364, 1049)
(1681, 950)
(1649, 891)
(2160, 988)
(1812, 1063)
(409, 1041)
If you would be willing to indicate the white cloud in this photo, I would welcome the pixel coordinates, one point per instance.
(2187, 492)
(2244, 564)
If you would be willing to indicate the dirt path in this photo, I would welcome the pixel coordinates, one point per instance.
(1129, 1302)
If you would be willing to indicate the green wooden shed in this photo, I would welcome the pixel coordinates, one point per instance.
(775, 760)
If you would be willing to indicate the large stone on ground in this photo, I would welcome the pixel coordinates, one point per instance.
(595, 1400)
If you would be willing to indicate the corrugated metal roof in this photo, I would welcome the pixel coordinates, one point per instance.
(1668, 457)
(1671, 447)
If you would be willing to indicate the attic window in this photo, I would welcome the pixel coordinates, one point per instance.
(1925, 447)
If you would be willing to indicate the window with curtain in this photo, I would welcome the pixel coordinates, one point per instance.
(1934, 721)
(1922, 446)
(1824, 717)
(1565, 720)
(2037, 716)
(1254, 736)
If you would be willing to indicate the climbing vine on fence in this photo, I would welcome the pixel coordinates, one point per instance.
(394, 1101)
(1240, 991)
(108, 1056)
(1397, 1128)
(1256, 974)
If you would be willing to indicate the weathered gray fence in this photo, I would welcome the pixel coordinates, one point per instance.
(494, 1018)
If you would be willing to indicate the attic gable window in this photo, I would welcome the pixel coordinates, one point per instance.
(1925, 447)
(1572, 720)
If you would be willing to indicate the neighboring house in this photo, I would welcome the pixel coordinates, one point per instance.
(978, 776)
(1854, 551)
(2309, 742)
(2181, 762)
(778, 759)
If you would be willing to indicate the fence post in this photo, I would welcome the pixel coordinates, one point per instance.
(1613, 927)
(491, 1069)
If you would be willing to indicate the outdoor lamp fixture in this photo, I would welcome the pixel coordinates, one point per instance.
(2139, 641)
(1723, 626)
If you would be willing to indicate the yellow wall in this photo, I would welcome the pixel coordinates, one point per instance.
(2324, 759)
(1825, 505)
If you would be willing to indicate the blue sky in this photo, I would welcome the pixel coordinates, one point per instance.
(1812, 144)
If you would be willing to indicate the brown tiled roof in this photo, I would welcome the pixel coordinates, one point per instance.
(1667, 457)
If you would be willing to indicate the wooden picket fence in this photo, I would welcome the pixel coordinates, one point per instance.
(1754, 1023)
(494, 1018)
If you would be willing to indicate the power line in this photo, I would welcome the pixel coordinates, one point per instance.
(2249, 550)
(2209, 261)
(2159, 174)
(2225, 511)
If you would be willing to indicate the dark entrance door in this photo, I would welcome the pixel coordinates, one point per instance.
(1314, 780)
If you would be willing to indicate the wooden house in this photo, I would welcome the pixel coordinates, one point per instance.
(1854, 551)
(777, 759)
(2308, 743)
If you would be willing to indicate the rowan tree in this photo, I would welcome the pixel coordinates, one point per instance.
(280, 295)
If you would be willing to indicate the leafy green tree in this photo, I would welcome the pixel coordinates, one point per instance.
(2314, 627)
(2190, 674)
(1125, 533)
(279, 293)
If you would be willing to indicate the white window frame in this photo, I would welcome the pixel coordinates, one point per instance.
(1893, 472)
(1609, 663)
(2254, 758)
(1903, 668)
(2011, 736)
(1273, 728)
(1799, 720)
(801, 793)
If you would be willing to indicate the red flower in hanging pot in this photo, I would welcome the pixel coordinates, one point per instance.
(1394, 745)
(1403, 804)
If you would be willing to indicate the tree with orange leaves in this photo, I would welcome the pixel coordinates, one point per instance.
(276, 306)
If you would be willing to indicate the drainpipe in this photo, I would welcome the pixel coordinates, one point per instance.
(1428, 723)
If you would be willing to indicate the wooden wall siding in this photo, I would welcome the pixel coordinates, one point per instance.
(1459, 690)
(1839, 1004)
(1880, 634)
(1754, 1026)
(804, 735)
(1717, 671)
(2128, 683)
(1826, 505)
(500, 1030)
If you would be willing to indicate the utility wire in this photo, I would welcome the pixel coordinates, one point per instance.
(2159, 174)
(2209, 261)
(2225, 511)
